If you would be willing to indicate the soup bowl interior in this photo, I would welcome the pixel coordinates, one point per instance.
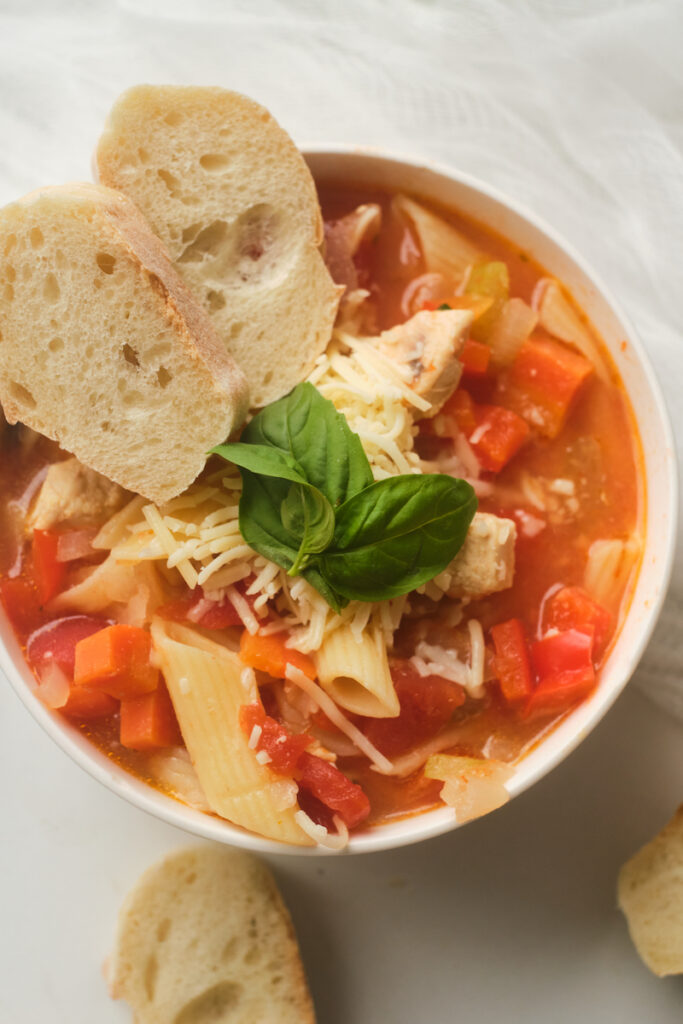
(452, 189)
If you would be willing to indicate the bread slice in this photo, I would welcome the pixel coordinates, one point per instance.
(103, 347)
(651, 896)
(231, 198)
(204, 938)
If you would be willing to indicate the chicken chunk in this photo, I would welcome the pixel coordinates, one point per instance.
(486, 561)
(428, 346)
(72, 492)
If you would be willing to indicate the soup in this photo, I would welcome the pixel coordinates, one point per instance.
(202, 666)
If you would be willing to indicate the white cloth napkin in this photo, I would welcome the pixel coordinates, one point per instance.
(572, 106)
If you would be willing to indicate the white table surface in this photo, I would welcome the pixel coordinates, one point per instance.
(512, 918)
(573, 107)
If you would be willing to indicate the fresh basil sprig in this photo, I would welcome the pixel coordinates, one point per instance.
(309, 503)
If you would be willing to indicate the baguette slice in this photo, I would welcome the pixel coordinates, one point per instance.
(651, 896)
(103, 347)
(204, 938)
(231, 198)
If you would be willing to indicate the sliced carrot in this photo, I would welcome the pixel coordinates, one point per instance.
(116, 661)
(149, 721)
(85, 703)
(269, 654)
(475, 357)
(498, 436)
(542, 383)
(459, 413)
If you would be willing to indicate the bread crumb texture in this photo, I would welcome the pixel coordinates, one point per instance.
(103, 348)
(204, 938)
(651, 896)
(233, 201)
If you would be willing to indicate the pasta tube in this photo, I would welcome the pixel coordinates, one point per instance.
(354, 671)
(445, 250)
(205, 681)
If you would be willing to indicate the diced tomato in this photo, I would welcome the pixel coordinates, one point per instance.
(427, 704)
(149, 721)
(512, 664)
(475, 357)
(50, 573)
(56, 641)
(459, 410)
(283, 747)
(429, 305)
(542, 383)
(194, 607)
(498, 436)
(334, 789)
(271, 655)
(564, 667)
(573, 608)
(86, 703)
(316, 810)
(22, 603)
(116, 661)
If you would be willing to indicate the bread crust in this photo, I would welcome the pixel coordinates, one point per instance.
(650, 894)
(209, 920)
(108, 218)
(217, 177)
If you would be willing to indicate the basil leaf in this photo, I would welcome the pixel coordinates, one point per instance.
(262, 459)
(307, 428)
(313, 576)
(260, 520)
(307, 514)
(397, 534)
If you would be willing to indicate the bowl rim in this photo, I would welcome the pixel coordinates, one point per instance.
(427, 824)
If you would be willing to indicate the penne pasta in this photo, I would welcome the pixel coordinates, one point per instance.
(207, 687)
(354, 671)
(115, 530)
(444, 249)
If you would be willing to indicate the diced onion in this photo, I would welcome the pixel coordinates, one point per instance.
(510, 331)
(75, 544)
(53, 688)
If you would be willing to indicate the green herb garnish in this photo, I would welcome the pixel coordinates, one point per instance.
(309, 504)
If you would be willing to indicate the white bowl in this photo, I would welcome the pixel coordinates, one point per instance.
(451, 188)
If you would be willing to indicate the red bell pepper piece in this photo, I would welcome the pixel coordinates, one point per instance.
(498, 436)
(573, 608)
(50, 573)
(512, 664)
(542, 383)
(565, 672)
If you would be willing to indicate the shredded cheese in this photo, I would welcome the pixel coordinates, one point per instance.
(328, 707)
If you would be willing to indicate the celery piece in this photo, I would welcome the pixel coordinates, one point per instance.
(490, 280)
